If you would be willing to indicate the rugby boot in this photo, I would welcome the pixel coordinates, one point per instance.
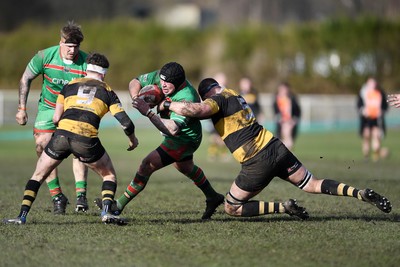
(211, 206)
(108, 218)
(17, 221)
(114, 208)
(381, 202)
(60, 204)
(293, 209)
(81, 204)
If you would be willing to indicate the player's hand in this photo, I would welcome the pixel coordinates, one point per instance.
(21, 117)
(141, 105)
(394, 100)
(160, 106)
(133, 143)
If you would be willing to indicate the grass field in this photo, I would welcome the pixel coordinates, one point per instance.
(164, 221)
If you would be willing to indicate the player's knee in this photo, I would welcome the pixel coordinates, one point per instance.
(40, 143)
(232, 205)
(39, 149)
(146, 166)
(109, 177)
(231, 210)
(306, 181)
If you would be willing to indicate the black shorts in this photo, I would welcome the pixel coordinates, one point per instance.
(275, 160)
(371, 123)
(87, 151)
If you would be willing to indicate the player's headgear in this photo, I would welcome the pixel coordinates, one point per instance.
(206, 85)
(174, 73)
(97, 62)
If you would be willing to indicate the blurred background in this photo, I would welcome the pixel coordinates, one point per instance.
(326, 49)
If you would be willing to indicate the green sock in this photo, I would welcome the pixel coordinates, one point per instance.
(54, 188)
(80, 187)
(200, 180)
(132, 190)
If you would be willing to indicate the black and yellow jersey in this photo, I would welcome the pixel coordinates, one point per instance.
(86, 101)
(235, 122)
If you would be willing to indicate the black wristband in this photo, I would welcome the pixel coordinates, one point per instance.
(167, 104)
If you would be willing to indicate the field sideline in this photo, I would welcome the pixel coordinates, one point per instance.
(164, 221)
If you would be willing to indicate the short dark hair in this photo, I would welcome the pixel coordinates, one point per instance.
(72, 33)
(98, 60)
(206, 85)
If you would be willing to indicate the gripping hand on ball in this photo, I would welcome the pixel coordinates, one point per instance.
(141, 105)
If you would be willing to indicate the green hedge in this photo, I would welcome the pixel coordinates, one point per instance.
(268, 54)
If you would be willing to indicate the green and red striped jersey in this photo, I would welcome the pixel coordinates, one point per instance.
(56, 73)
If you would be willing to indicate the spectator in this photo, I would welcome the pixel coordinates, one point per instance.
(372, 106)
(287, 115)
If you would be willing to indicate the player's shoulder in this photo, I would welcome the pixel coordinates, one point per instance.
(187, 93)
(78, 80)
(229, 92)
(48, 52)
(149, 78)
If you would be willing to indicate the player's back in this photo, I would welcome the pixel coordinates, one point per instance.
(86, 101)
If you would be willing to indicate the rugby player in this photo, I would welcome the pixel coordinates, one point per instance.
(182, 137)
(57, 65)
(261, 155)
(80, 106)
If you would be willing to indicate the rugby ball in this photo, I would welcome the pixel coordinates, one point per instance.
(151, 94)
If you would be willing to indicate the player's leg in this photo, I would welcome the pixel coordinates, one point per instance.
(105, 169)
(60, 201)
(286, 130)
(43, 130)
(45, 165)
(80, 173)
(366, 141)
(149, 164)
(376, 142)
(181, 155)
(196, 174)
(238, 203)
(254, 176)
(304, 179)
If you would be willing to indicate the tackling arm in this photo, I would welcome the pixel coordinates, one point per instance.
(196, 110)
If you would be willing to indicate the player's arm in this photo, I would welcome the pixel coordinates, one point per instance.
(24, 86)
(128, 127)
(59, 110)
(119, 113)
(166, 126)
(134, 87)
(197, 110)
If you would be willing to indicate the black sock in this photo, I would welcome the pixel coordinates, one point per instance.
(31, 190)
(331, 187)
(256, 208)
